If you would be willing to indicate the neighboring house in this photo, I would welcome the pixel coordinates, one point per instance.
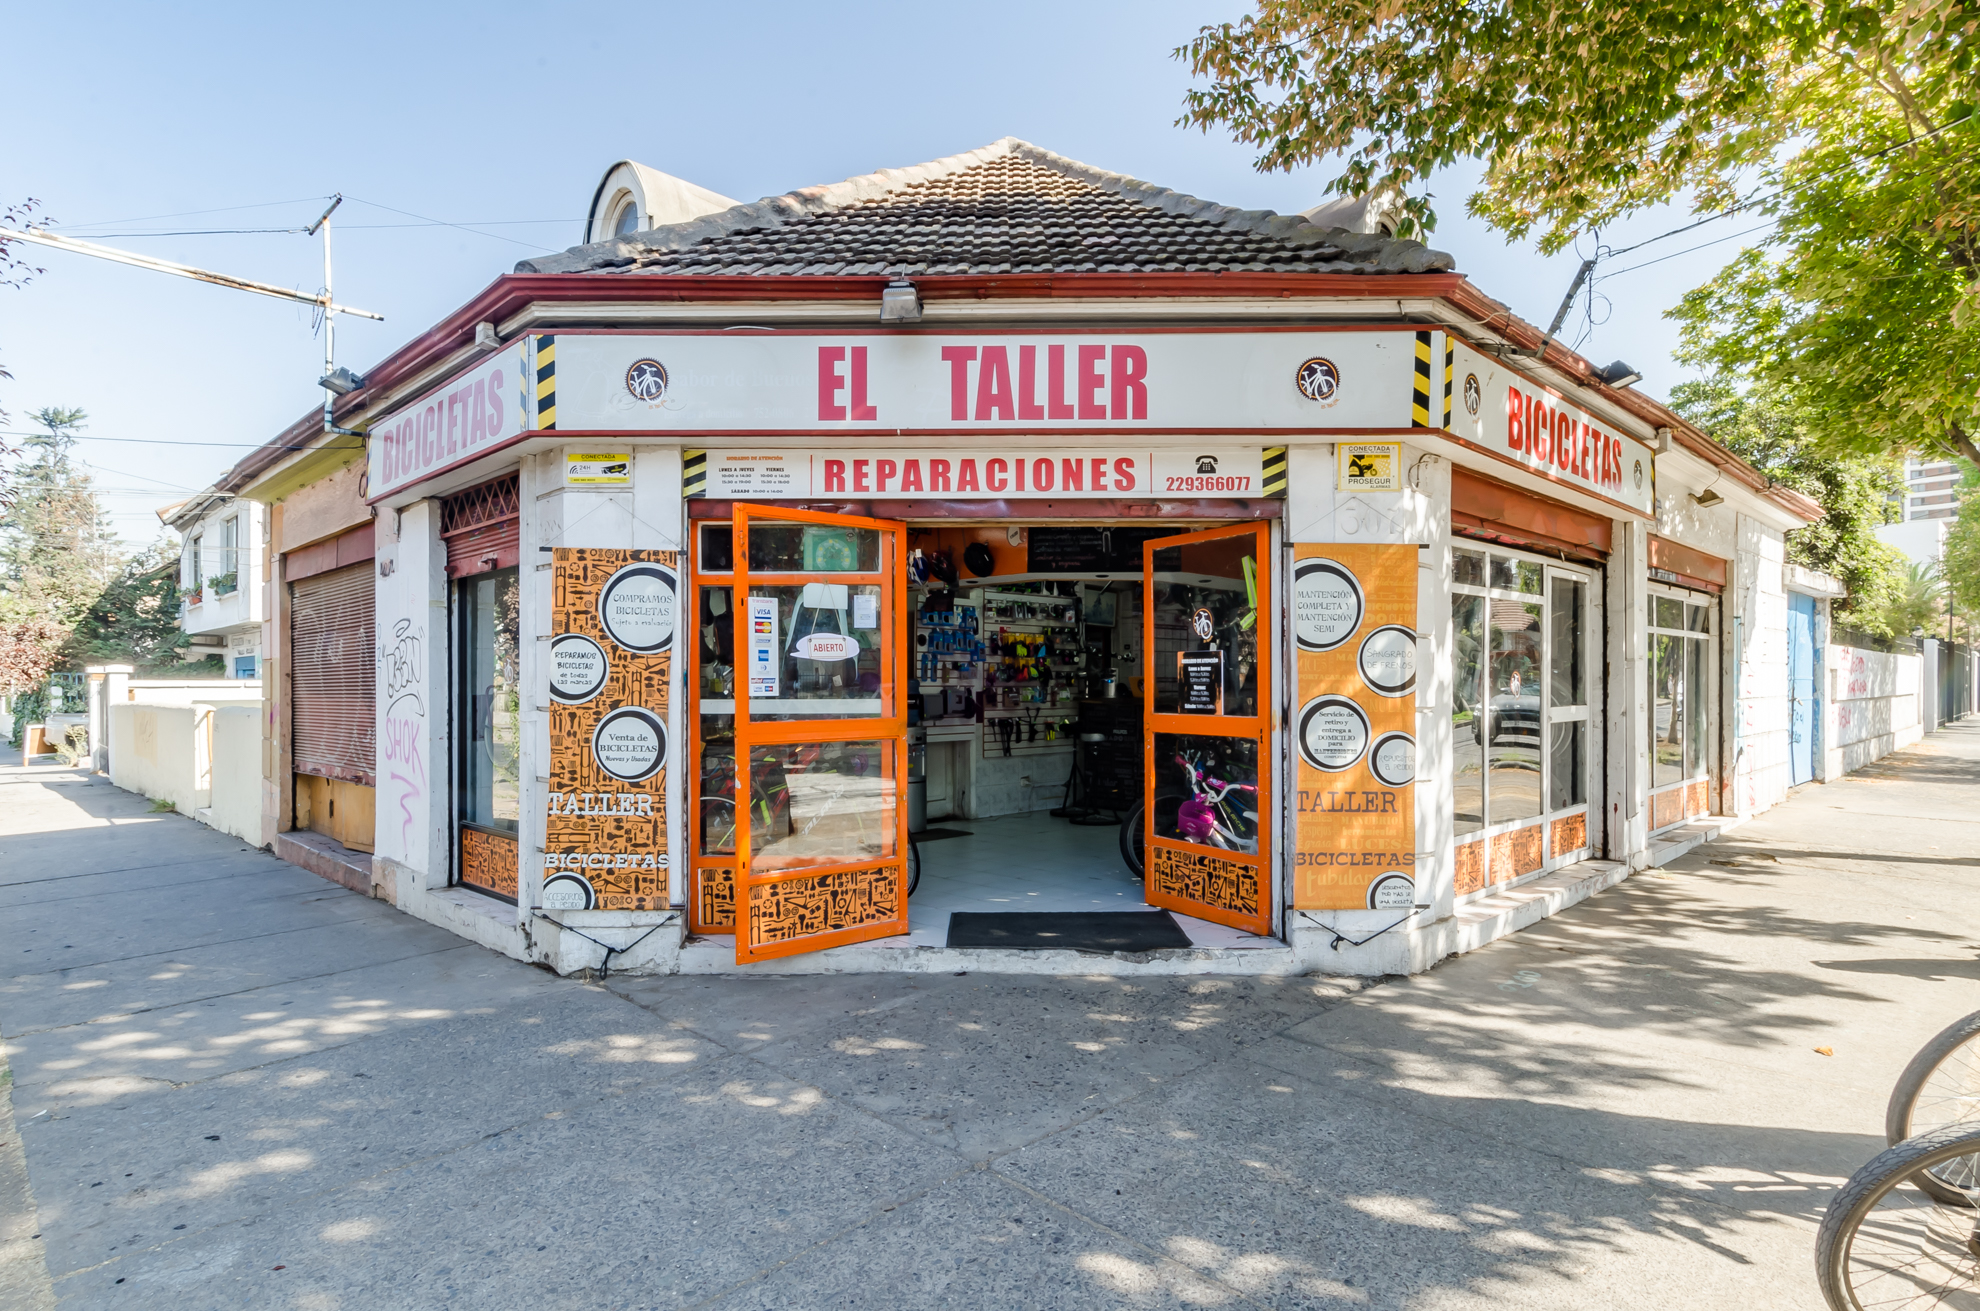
(222, 605)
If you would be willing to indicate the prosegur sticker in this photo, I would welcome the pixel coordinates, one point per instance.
(1369, 466)
(1327, 604)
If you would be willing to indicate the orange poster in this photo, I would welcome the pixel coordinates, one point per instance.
(613, 615)
(1354, 728)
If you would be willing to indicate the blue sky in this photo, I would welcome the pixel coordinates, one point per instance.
(126, 118)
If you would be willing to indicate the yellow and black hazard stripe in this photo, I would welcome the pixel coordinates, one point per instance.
(1450, 368)
(1275, 471)
(1419, 403)
(694, 473)
(546, 384)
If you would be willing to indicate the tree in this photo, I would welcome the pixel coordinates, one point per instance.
(14, 272)
(57, 550)
(1960, 565)
(136, 618)
(1919, 603)
(1852, 126)
(1785, 442)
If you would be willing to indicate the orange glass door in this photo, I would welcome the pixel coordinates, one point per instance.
(1206, 634)
(821, 731)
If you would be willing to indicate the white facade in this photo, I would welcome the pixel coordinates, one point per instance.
(222, 600)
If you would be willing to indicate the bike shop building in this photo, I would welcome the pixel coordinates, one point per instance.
(1000, 527)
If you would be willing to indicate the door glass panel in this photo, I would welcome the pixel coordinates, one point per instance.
(813, 548)
(1512, 727)
(1206, 790)
(1666, 612)
(1467, 711)
(1568, 682)
(1666, 717)
(820, 803)
(1516, 575)
(1206, 610)
(718, 552)
(716, 823)
(1698, 618)
(494, 704)
(1567, 776)
(717, 633)
(814, 651)
(1694, 710)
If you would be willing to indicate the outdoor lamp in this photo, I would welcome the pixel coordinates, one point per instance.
(1618, 374)
(1707, 498)
(900, 302)
(341, 381)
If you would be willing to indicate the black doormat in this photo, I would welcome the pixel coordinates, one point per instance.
(1078, 930)
(937, 834)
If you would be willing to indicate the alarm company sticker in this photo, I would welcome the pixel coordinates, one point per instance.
(578, 668)
(1393, 759)
(1387, 660)
(630, 744)
(1333, 733)
(1327, 604)
(637, 606)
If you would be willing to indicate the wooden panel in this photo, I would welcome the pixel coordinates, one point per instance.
(1696, 799)
(1199, 878)
(1570, 834)
(343, 811)
(488, 863)
(1667, 808)
(1517, 853)
(793, 910)
(1470, 861)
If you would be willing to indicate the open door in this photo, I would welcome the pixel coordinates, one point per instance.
(821, 731)
(1207, 640)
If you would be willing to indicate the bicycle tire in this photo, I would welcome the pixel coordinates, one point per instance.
(1928, 1243)
(914, 865)
(1132, 840)
(1958, 1042)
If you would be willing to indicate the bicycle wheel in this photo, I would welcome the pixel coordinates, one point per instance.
(914, 866)
(1132, 840)
(1940, 1087)
(1883, 1245)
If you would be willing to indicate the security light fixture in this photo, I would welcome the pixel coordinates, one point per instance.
(1618, 374)
(341, 381)
(486, 338)
(1707, 498)
(900, 302)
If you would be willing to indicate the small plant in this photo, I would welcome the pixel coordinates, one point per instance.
(222, 584)
(74, 746)
(194, 597)
(161, 806)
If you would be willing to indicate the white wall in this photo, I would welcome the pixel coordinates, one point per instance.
(235, 796)
(1761, 719)
(411, 840)
(1874, 700)
(186, 691)
(203, 758)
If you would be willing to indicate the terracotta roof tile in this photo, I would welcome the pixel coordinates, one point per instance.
(1009, 208)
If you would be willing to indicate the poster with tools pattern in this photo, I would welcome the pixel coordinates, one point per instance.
(1354, 728)
(611, 650)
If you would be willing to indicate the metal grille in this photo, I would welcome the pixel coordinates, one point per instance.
(331, 674)
(482, 527)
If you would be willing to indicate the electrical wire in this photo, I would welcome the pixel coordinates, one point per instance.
(1689, 249)
(495, 236)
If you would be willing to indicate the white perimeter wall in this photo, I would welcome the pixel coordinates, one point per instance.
(1757, 641)
(1872, 708)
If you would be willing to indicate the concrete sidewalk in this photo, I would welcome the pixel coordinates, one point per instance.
(239, 1085)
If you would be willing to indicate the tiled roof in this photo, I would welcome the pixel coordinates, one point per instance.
(1009, 208)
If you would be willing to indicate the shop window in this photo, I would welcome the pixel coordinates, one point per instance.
(491, 785)
(1521, 740)
(1680, 671)
(244, 666)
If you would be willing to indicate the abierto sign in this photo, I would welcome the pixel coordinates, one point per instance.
(1516, 419)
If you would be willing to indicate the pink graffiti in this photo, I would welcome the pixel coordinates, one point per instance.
(408, 768)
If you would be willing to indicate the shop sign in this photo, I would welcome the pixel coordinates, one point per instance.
(1354, 627)
(1296, 380)
(970, 473)
(464, 419)
(598, 468)
(611, 659)
(1507, 415)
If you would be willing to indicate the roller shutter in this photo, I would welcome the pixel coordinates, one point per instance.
(482, 527)
(333, 714)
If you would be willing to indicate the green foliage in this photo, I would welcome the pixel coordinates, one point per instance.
(1918, 605)
(1785, 441)
(1852, 126)
(74, 746)
(1960, 565)
(58, 551)
(135, 620)
(29, 708)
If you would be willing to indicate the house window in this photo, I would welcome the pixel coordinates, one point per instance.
(628, 219)
(1680, 703)
(244, 666)
(228, 579)
(194, 574)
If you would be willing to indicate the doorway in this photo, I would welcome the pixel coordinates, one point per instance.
(1054, 683)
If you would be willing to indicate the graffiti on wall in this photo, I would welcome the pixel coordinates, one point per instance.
(610, 665)
(403, 735)
(1354, 629)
